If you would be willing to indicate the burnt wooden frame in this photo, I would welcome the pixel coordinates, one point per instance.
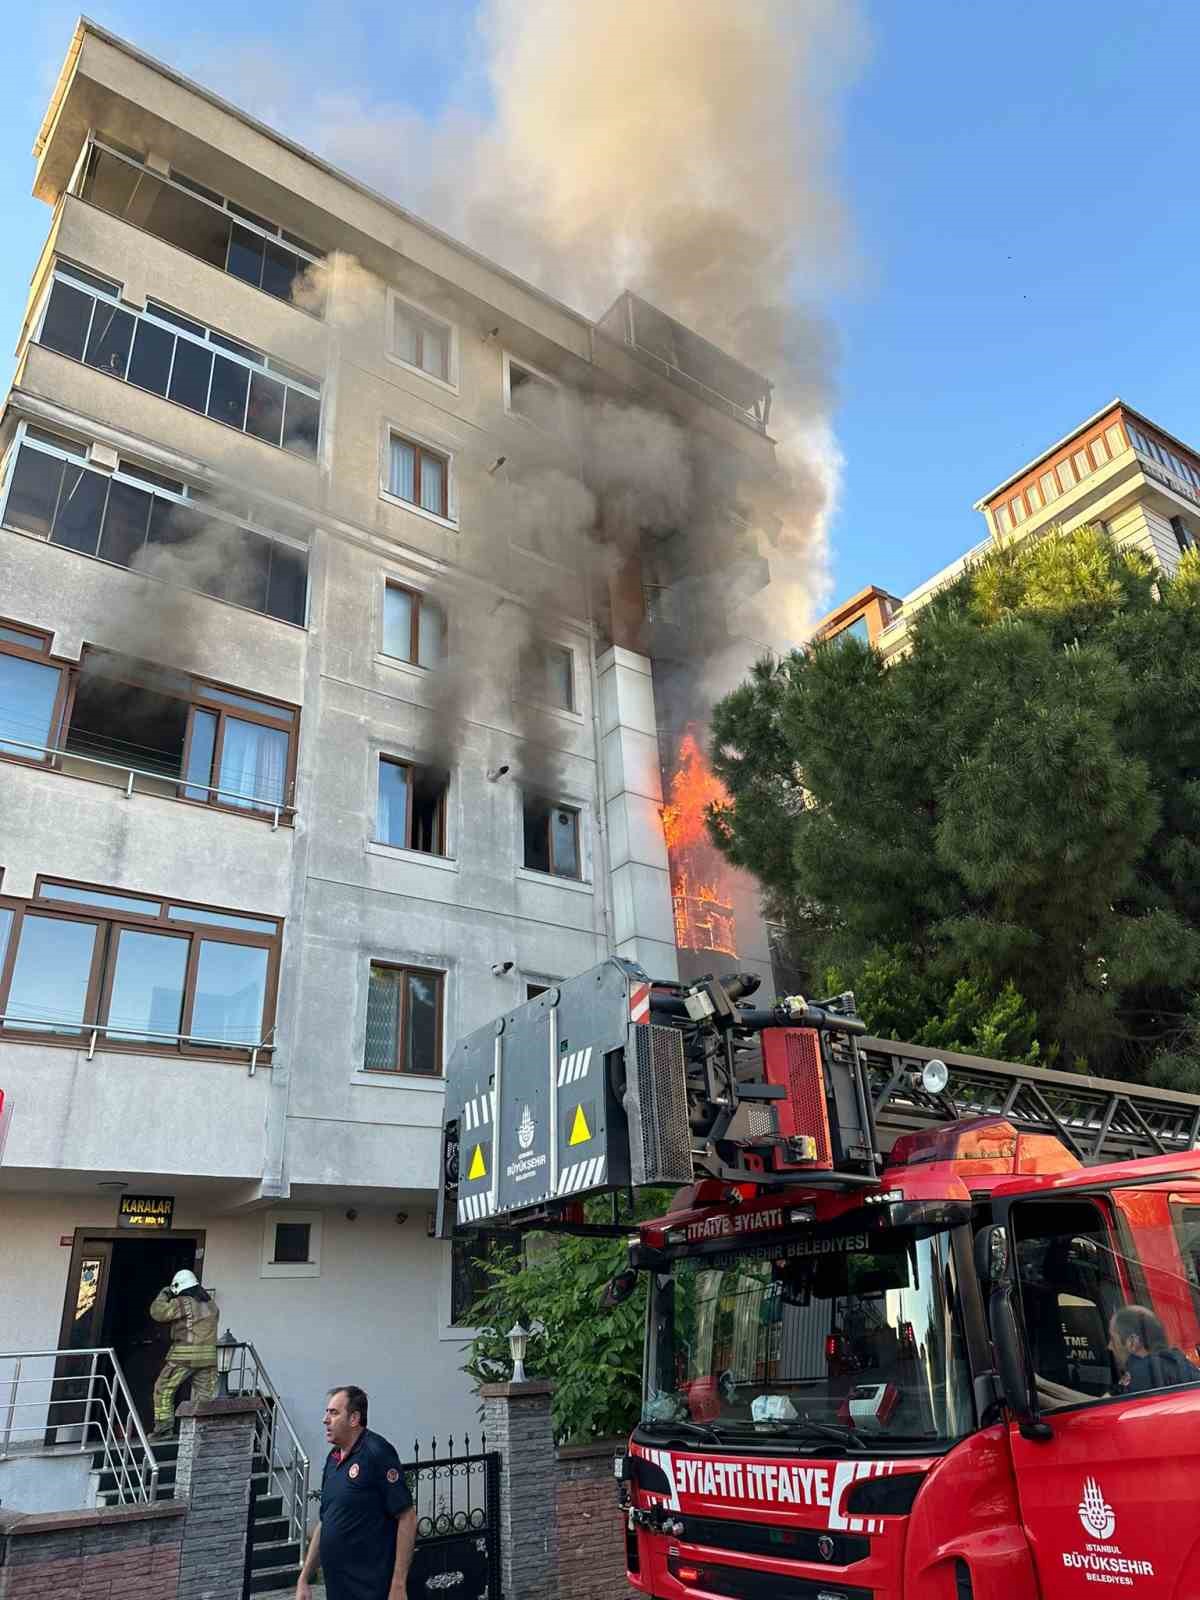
(419, 601)
(420, 452)
(401, 971)
(109, 924)
(409, 768)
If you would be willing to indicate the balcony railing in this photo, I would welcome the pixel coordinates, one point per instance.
(47, 1393)
(254, 804)
(95, 1031)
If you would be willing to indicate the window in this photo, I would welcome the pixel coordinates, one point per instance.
(184, 361)
(1049, 485)
(1183, 538)
(136, 518)
(404, 1021)
(1083, 463)
(229, 748)
(857, 629)
(551, 838)
(530, 395)
(291, 1242)
(421, 341)
(470, 1254)
(411, 808)
(414, 626)
(1033, 495)
(32, 692)
(1115, 442)
(419, 476)
(1004, 520)
(548, 675)
(197, 219)
(1017, 507)
(1099, 450)
(1066, 476)
(1099, 1321)
(145, 973)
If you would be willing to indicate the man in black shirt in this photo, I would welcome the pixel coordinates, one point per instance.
(1139, 1345)
(364, 1540)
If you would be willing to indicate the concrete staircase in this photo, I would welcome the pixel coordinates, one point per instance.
(274, 1558)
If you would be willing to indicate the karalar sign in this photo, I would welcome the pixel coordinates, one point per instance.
(145, 1210)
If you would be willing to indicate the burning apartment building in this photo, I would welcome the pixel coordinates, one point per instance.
(360, 605)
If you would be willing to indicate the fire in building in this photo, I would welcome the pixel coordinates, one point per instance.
(700, 892)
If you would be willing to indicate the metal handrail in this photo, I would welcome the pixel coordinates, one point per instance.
(95, 1029)
(277, 811)
(108, 1404)
(287, 1463)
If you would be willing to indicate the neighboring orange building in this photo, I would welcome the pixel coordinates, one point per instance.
(865, 615)
(1117, 469)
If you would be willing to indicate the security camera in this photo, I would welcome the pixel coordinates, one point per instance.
(501, 969)
(402, 1217)
(352, 1215)
(497, 464)
(497, 773)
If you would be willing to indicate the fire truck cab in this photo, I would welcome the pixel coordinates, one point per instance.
(919, 1392)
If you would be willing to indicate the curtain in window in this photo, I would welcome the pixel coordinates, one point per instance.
(254, 763)
(433, 484)
(404, 470)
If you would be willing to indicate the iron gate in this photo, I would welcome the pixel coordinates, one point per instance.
(457, 1497)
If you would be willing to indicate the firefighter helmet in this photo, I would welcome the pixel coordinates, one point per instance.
(184, 1279)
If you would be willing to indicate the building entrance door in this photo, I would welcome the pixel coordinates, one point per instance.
(112, 1279)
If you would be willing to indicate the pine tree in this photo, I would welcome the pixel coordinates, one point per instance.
(995, 841)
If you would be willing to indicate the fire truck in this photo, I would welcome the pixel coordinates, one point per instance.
(919, 1327)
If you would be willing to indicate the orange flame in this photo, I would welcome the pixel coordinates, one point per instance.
(703, 915)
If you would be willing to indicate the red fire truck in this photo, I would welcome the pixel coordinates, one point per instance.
(919, 1327)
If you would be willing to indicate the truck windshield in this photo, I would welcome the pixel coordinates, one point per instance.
(857, 1336)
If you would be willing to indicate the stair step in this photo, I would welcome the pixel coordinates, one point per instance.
(165, 1451)
(166, 1478)
(282, 1554)
(274, 1579)
(267, 1530)
(268, 1505)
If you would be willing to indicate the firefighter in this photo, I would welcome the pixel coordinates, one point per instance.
(193, 1315)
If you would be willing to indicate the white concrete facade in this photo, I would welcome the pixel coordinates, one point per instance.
(305, 1130)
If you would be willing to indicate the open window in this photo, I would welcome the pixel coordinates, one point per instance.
(530, 394)
(547, 675)
(551, 833)
(218, 746)
(411, 809)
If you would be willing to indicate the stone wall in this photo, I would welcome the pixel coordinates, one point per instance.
(122, 1553)
(216, 1449)
(590, 1553)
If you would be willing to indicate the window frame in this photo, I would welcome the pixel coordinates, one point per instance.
(149, 481)
(420, 448)
(532, 676)
(195, 190)
(109, 924)
(409, 767)
(420, 599)
(268, 1267)
(240, 713)
(551, 806)
(64, 694)
(211, 340)
(538, 376)
(390, 1074)
(402, 304)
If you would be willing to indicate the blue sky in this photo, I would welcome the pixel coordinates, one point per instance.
(1027, 242)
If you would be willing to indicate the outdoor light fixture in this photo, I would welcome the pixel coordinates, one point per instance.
(518, 1343)
(935, 1075)
(226, 1345)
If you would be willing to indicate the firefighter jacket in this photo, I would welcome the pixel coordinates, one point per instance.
(193, 1321)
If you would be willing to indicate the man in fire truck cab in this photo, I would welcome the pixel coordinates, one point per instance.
(1138, 1342)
